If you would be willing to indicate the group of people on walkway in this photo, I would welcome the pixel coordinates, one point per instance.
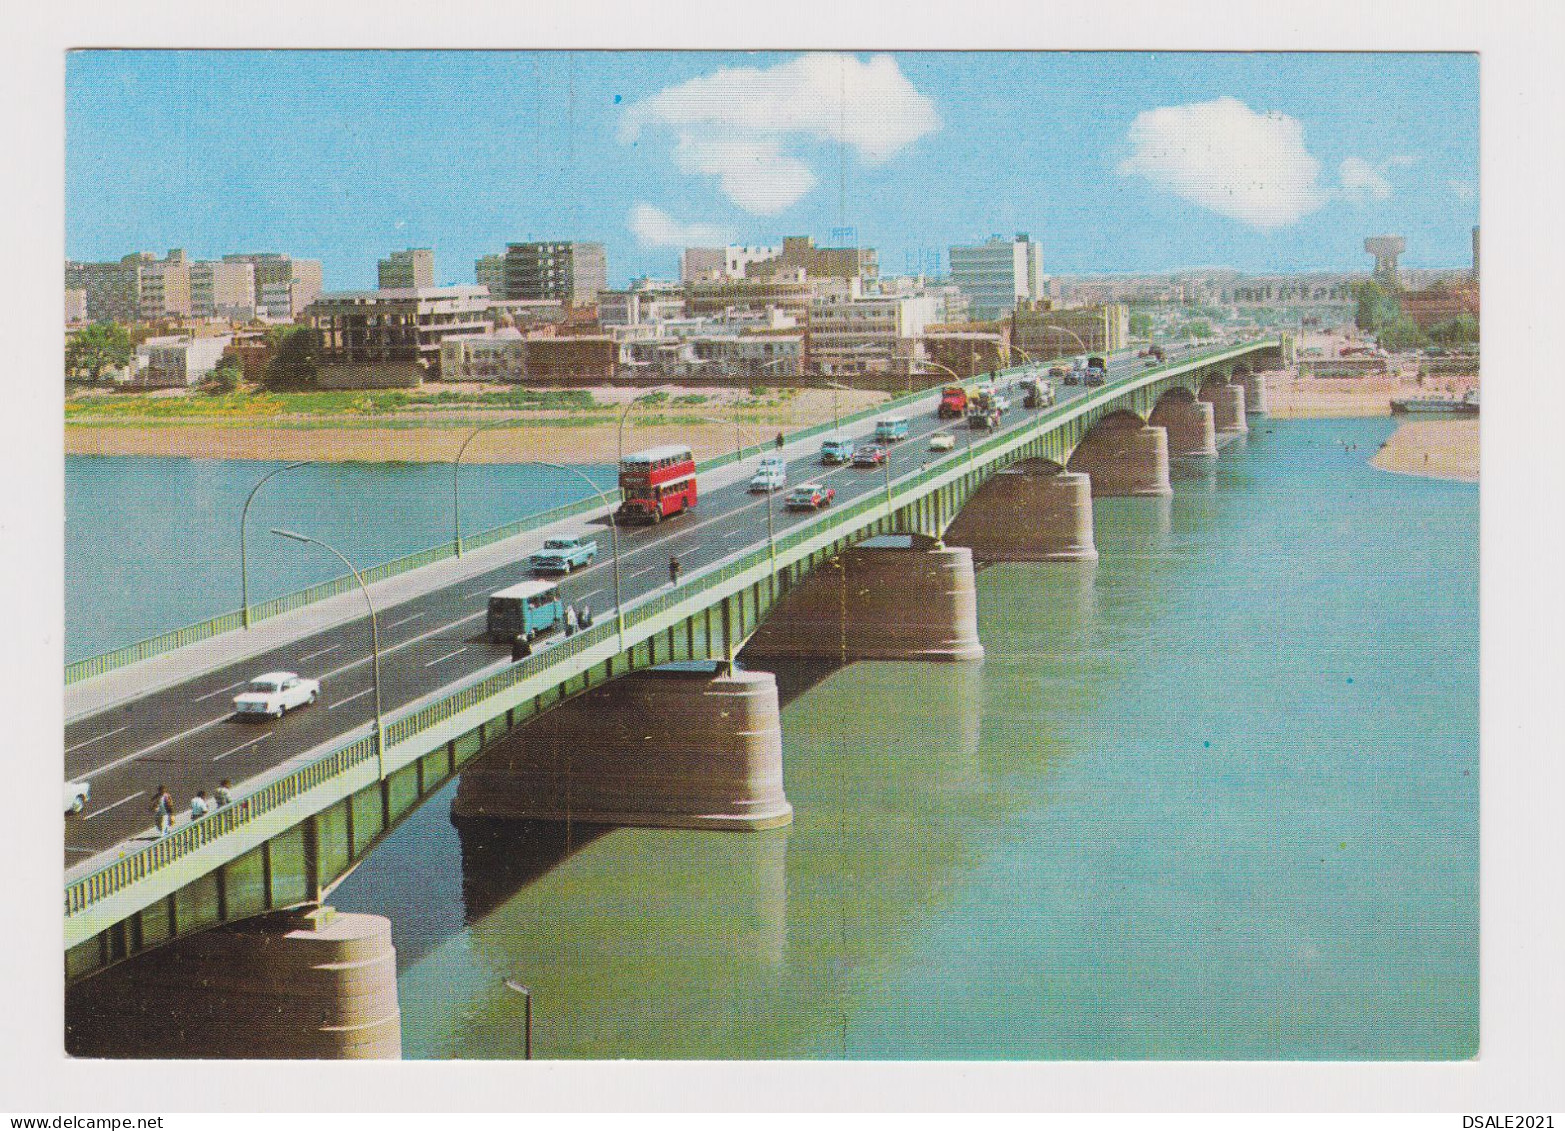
(200, 805)
(574, 619)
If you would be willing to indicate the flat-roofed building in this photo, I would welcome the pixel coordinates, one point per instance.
(508, 355)
(139, 287)
(414, 267)
(284, 286)
(178, 362)
(708, 264)
(1043, 331)
(489, 270)
(998, 274)
(868, 333)
(388, 338)
(223, 289)
(571, 272)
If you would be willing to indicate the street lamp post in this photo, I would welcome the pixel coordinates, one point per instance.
(380, 729)
(244, 575)
(619, 605)
(456, 466)
(771, 530)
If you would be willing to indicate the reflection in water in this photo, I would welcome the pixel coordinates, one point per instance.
(500, 858)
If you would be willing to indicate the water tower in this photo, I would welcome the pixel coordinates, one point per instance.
(1385, 249)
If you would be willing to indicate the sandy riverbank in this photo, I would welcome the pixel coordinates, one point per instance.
(434, 437)
(1441, 449)
(1291, 396)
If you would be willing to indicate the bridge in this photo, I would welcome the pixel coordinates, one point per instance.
(643, 718)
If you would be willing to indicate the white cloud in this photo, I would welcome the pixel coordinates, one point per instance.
(1465, 190)
(656, 228)
(1226, 157)
(1362, 181)
(735, 123)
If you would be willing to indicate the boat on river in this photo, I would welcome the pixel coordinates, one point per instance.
(1464, 405)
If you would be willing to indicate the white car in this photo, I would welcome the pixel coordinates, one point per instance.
(770, 477)
(274, 693)
(77, 794)
(942, 442)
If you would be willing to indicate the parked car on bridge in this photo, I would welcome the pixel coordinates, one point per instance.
(561, 555)
(869, 455)
(275, 693)
(810, 497)
(77, 794)
(942, 442)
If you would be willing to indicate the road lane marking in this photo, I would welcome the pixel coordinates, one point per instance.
(160, 745)
(106, 808)
(220, 691)
(398, 647)
(241, 746)
(405, 620)
(350, 699)
(322, 652)
(102, 736)
(446, 657)
(639, 572)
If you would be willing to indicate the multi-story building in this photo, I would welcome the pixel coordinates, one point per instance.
(138, 287)
(75, 306)
(508, 355)
(998, 274)
(639, 305)
(851, 333)
(1440, 303)
(223, 289)
(391, 337)
(284, 286)
(414, 267)
(788, 292)
(799, 253)
(1042, 331)
(570, 272)
(489, 270)
(707, 264)
(749, 355)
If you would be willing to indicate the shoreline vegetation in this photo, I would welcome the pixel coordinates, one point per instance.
(582, 425)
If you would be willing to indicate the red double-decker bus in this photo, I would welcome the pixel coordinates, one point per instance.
(657, 484)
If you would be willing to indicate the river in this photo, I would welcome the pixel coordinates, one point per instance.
(1213, 797)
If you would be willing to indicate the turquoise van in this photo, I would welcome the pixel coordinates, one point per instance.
(524, 610)
(836, 450)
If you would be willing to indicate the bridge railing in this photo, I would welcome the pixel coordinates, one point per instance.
(113, 877)
(227, 622)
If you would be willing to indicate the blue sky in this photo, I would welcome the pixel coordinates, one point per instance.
(1115, 162)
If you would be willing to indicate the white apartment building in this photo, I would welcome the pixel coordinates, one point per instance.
(998, 274)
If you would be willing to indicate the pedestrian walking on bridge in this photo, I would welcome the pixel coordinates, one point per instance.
(163, 810)
(673, 570)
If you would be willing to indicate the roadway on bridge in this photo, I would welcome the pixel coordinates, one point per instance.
(187, 737)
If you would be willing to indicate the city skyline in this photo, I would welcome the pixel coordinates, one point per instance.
(1285, 161)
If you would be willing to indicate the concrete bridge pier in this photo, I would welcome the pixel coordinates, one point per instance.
(899, 597)
(310, 985)
(663, 748)
(1191, 425)
(1255, 403)
(1033, 511)
(1227, 403)
(1124, 457)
